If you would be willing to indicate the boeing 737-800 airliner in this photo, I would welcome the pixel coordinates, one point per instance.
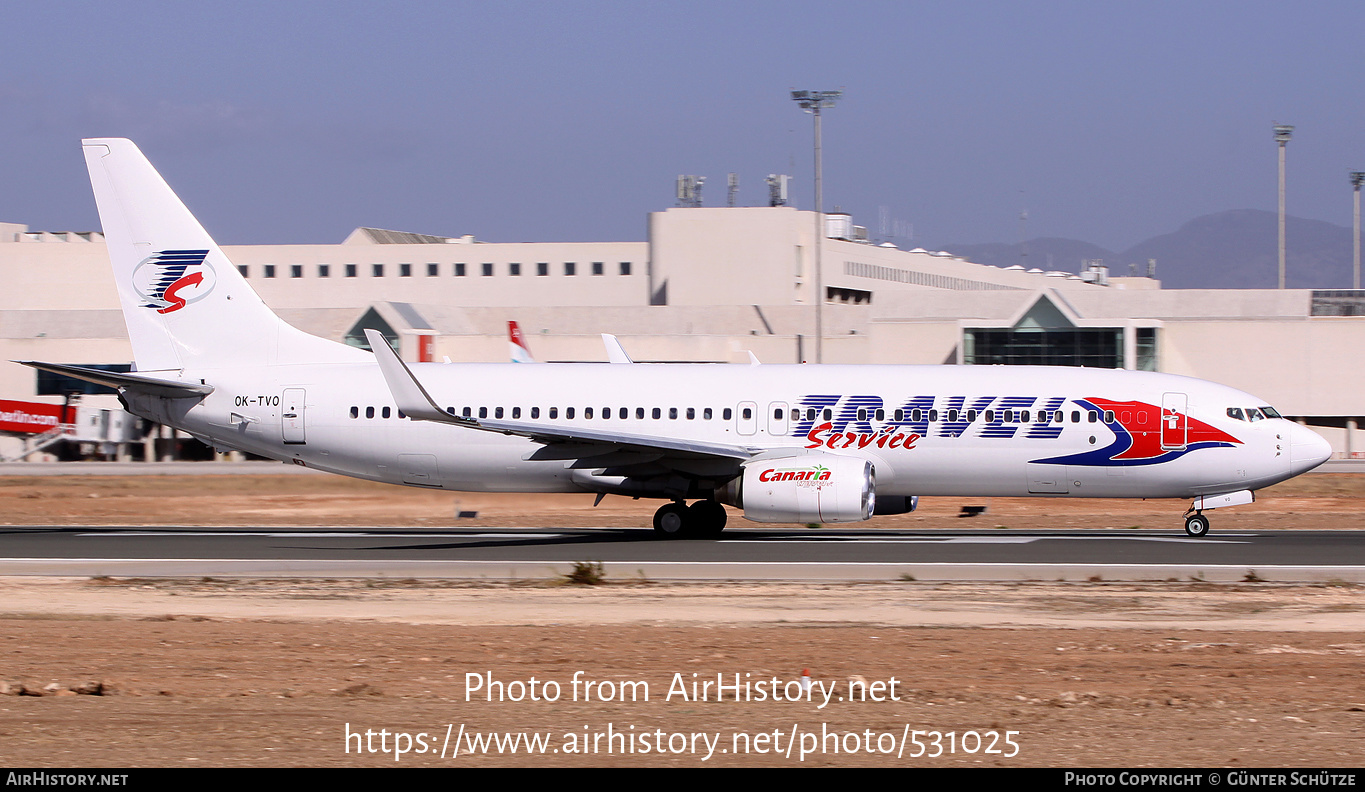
(789, 444)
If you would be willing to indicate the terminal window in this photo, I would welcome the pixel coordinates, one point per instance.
(405, 270)
(597, 268)
(459, 270)
(296, 270)
(270, 270)
(377, 270)
(514, 269)
(625, 268)
(543, 268)
(324, 271)
(1094, 347)
(433, 270)
(568, 268)
(242, 269)
(487, 270)
(350, 270)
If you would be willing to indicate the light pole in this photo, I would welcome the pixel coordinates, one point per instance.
(1356, 178)
(1282, 134)
(813, 102)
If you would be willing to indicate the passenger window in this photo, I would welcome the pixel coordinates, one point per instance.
(706, 413)
(606, 413)
(899, 415)
(1009, 416)
(369, 412)
(672, 413)
(862, 413)
(810, 414)
(568, 413)
(748, 413)
(639, 413)
(952, 416)
(587, 412)
(624, 413)
(880, 415)
(497, 412)
(828, 414)
(1023, 416)
(916, 414)
(990, 416)
(355, 412)
(535, 413)
(385, 413)
(796, 414)
(483, 412)
(468, 413)
(1108, 416)
(554, 413)
(516, 412)
(933, 416)
(655, 413)
(971, 416)
(777, 414)
(727, 414)
(1093, 416)
(691, 413)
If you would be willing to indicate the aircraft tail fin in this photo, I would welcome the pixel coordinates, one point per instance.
(184, 302)
(517, 342)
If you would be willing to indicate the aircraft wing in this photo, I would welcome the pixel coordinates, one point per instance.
(171, 389)
(590, 446)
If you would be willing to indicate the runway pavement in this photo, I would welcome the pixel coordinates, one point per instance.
(744, 554)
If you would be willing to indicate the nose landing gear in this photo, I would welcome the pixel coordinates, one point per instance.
(704, 519)
(1197, 525)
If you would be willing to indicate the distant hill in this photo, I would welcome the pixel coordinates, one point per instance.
(1226, 250)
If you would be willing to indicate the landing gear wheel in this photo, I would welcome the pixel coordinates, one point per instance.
(706, 519)
(1197, 525)
(670, 521)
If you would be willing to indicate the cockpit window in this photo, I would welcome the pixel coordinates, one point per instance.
(1254, 414)
(1271, 412)
(1236, 412)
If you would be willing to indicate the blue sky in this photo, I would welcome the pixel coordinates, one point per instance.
(539, 121)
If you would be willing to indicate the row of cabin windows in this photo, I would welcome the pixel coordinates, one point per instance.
(434, 270)
(623, 413)
(954, 415)
(746, 413)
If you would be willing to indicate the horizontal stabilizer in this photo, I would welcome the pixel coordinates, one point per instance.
(171, 389)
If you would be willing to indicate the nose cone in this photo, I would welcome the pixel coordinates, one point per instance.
(1309, 449)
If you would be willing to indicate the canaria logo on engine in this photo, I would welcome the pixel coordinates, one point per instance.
(172, 279)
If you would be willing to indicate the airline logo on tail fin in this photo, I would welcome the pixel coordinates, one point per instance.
(517, 342)
(172, 279)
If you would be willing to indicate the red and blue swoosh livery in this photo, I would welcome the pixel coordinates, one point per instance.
(1137, 437)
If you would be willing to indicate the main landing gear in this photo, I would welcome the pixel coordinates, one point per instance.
(704, 519)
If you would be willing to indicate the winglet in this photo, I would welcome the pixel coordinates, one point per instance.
(753, 359)
(615, 352)
(409, 395)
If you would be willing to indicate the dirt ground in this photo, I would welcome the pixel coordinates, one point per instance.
(1334, 500)
(277, 673)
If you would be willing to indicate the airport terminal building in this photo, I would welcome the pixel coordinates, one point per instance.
(708, 285)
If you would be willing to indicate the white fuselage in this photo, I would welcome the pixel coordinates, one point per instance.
(341, 418)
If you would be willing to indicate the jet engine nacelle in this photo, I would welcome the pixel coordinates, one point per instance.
(820, 488)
